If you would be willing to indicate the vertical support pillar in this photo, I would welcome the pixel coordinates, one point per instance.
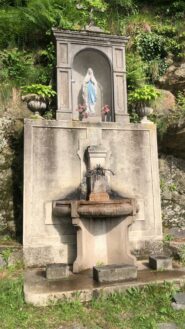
(120, 88)
(64, 111)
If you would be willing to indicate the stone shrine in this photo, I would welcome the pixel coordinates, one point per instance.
(87, 173)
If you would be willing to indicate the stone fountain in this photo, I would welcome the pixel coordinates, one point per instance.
(88, 172)
(102, 223)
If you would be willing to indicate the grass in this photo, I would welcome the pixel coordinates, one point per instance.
(137, 308)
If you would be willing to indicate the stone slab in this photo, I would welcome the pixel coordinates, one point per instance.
(113, 273)
(160, 262)
(41, 292)
(57, 271)
(179, 298)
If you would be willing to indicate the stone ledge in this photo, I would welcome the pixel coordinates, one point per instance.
(41, 292)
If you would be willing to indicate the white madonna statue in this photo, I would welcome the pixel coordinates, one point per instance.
(89, 91)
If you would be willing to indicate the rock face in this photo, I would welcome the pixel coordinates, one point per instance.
(174, 78)
(172, 175)
(164, 103)
(174, 141)
(11, 168)
(6, 200)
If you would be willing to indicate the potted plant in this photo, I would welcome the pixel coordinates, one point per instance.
(37, 96)
(140, 100)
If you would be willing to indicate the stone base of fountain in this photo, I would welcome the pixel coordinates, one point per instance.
(41, 292)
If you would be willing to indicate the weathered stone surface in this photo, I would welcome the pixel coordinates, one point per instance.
(57, 271)
(179, 298)
(160, 262)
(103, 50)
(131, 153)
(172, 175)
(179, 301)
(147, 248)
(165, 103)
(174, 78)
(41, 292)
(177, 232)
(173, 141)
(113, 273)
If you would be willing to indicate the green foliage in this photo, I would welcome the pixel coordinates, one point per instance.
(173, 119)
(118, 310)
(5, 94)
(155, 68)
(20, 67)
(150, 46)
(143, 96)
(182, 254)
(166, 30)
(38, 89)
(172, 187)
(15, 65)
(167, 238)
(181, 101)
(126, 6)
(177, 8)
(6, 254)
(49, 115)
(162, 184)
(135, 71)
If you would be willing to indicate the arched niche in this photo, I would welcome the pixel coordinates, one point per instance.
(95, 59)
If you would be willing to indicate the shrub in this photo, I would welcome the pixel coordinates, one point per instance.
(155, 68)
(38, 89)
(143, 96)
(166, 30)
(150, 46)
(136, 71)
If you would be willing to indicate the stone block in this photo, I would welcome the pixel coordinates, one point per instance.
(179, 301)
(160, 262)
(57, 271)
(113, 273)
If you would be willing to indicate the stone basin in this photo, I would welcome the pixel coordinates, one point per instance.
(102, 230)
(95, 209)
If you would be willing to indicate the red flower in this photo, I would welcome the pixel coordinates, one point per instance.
(106, 109)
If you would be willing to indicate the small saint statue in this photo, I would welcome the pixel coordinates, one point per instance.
(89, 91)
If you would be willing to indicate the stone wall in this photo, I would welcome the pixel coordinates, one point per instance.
(11, 165)
(11, 176)
(55, 169)
(172, 181)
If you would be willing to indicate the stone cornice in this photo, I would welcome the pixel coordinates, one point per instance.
(99, 37)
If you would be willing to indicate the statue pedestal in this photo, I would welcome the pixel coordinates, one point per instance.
(93, 118)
